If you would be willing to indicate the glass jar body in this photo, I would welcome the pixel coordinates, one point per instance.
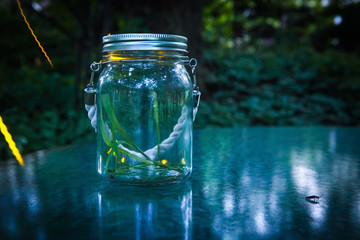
(144, 120)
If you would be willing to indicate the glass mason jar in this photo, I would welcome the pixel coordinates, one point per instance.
(145, 105)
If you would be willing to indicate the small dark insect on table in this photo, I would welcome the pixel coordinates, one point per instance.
(312, 199)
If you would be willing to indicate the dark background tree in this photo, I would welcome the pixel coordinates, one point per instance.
(264, 62)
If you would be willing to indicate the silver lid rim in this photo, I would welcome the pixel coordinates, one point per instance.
(144, 37)
(144, 41)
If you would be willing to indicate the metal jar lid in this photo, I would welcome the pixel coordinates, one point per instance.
(144, 41)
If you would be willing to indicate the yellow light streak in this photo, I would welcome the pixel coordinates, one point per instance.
(11, 142)
(115, 58)
(123, 160)
(183, 161)
(32, 33)
(109, 151)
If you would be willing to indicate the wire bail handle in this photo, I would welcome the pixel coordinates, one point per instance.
(196, 92)
(192, 65)
(90, 91)
(94, 67)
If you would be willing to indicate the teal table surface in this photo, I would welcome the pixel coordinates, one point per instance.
(247, 183)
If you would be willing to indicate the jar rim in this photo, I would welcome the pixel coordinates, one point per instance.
(144, 41)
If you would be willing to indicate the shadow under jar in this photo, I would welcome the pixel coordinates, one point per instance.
(146, 102)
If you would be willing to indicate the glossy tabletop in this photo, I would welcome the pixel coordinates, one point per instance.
(247, 183)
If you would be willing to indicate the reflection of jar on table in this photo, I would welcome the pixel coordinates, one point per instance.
(152, 213)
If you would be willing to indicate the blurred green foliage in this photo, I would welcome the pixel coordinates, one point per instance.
(264, 62)
(37, 107)
(279, 86)
(280, 63)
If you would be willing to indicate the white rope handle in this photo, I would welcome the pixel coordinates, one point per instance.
(165, 145)
(91, 109)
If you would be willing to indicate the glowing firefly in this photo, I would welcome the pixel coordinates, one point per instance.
(11, 142)
(32, 33)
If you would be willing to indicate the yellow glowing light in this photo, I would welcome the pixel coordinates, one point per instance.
(123, 160)
(32, 33)
(164, 161)
(109, 151)
(11, 142)
(183, 161)
(109, 34)
(116, 58)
